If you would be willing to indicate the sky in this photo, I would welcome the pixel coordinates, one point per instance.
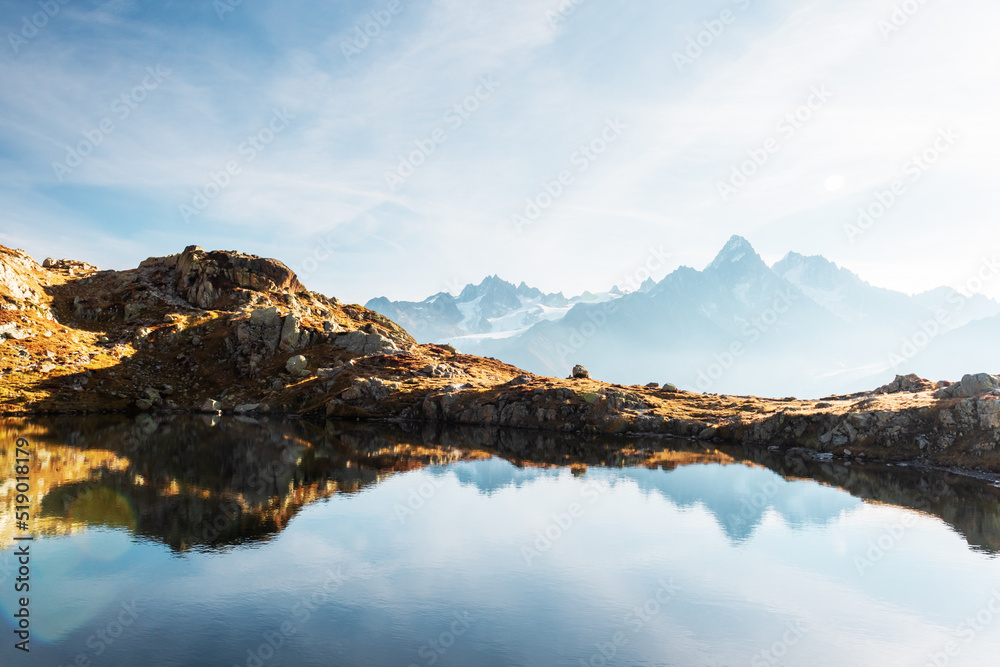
(404, 147)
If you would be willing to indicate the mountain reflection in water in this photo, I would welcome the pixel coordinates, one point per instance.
(211, 483)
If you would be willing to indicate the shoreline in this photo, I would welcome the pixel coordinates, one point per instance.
(204, 332)
(815, 456)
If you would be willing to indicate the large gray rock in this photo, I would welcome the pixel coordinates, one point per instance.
(970, 386)
(297, 365)
(977, 385)
(265, 317)
(364, 393)
(372, 389)
(359, 342)
(291, 334)
(262, 330)
(580, 372)
(441, 371)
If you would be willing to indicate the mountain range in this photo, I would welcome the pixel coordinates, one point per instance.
(803, 326)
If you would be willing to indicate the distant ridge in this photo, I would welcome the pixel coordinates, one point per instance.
(803, 326)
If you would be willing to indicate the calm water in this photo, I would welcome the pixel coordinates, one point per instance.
(190, 541)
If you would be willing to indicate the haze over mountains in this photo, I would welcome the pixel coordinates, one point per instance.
(802, 327)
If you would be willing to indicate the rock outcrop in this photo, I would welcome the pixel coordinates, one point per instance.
(905, 384)
(970, 386)
(20, 288)
(225, 280)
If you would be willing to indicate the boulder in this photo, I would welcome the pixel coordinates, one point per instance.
(297, 366)
(440, 371)
(211, 405)
(367, 391)
(133, 310)
(361, 343)
(291, 334)
(579, 373)
(258, 336)
(977, 385)
(970, 386)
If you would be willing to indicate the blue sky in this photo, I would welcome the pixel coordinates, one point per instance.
(276, 129)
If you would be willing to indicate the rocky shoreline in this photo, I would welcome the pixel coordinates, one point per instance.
(227, 332)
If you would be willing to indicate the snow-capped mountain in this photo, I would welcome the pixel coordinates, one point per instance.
(803, 326)
(492, 309)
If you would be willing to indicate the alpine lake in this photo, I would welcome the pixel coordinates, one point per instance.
(235, 542)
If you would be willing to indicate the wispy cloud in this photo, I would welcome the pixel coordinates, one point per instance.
(355, 117)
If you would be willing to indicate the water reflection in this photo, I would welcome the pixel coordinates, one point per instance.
(213, 483)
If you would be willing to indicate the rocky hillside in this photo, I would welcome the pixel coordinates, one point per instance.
(224, 331)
